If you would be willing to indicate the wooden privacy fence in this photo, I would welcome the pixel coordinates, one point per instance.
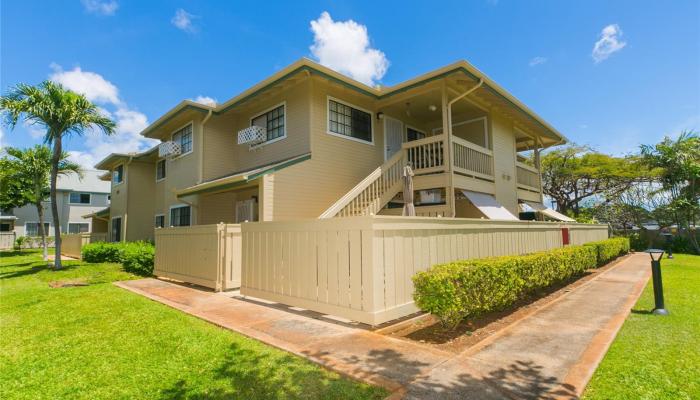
(7, 240)
(360, 268)
(206, 255)
(72, 245)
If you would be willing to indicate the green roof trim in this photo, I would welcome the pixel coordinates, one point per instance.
(231, 185)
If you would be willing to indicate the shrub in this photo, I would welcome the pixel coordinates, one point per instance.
(470, 288)
(20, 242)
(609, 249)
(136, 257)
(101, 252)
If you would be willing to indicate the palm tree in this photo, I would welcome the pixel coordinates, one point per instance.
(62, 113)
(33, 165)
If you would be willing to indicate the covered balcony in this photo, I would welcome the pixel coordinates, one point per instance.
(459, 137)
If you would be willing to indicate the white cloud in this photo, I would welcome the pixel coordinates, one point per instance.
(537, 61)
(2, 139)
(35, 131)
(345, 46)
(130, 123)
(206, 100)
(183, 21)
(100, 7)
(90, 84)
(610, 42)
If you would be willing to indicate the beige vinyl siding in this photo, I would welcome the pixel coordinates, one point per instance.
(223, 154)
(118, 202)
(181, 172)
(218, 207)
(337, 164)
(503, 137)
(139, 220)
(221, 207)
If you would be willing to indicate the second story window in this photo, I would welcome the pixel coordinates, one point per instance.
(348, 121)
(272, 121)
(79, 198)
(118, 174)
(184, 138)
(160, 170)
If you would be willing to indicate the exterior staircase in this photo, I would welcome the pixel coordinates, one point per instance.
(384, 183)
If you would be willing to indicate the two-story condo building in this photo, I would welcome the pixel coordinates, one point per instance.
(309, 142)
(77, 197)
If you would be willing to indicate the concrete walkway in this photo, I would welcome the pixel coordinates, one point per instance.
(550, 353)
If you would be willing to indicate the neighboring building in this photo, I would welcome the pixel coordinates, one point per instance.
(309, 142)
(76, 198)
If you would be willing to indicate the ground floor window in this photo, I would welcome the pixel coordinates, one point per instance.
(160, 221)
(5, 227)
(180, 216)
(78, 227)
(32, 228)
(117, 229)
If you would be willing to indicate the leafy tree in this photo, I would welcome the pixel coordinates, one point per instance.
(12, 186)
(32, 167)
(574, 174)
(679, 164)
(62, 113)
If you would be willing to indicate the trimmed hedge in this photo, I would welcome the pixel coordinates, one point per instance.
(609, 249)
(470, 288)
(136, 257)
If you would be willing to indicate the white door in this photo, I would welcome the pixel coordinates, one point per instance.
(393, 136)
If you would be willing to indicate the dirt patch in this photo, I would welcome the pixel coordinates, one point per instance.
(427, 329)
(68, 283)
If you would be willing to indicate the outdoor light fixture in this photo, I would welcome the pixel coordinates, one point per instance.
(656, 255)
(432, 107)
(669, 241)
(380, 115)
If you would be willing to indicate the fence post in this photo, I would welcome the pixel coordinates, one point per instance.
(221, 254)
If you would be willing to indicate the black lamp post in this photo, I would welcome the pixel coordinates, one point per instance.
(656, 254)
(669, 241)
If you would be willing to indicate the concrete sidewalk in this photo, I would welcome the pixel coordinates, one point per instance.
(549, 354)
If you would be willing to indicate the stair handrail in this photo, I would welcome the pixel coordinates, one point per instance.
(353, 193)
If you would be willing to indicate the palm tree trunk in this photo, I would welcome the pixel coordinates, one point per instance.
(57, 150)
(42, 232)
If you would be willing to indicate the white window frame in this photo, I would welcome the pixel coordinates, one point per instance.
(47, 233)
(80, 193)
(259, 114)
(163, 215)
(438, 130)
(123, 173)
(345, 103)
(172, 134)
(79, 223)
(170, 214)
(165, 166)
(121, 228)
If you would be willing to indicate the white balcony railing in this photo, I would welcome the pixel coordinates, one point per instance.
(527, 176)
(472, 159)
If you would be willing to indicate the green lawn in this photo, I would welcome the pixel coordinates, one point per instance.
(656, 357)
(100, 341)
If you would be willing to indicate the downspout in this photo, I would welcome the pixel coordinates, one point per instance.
(453, 209)
(200, 149)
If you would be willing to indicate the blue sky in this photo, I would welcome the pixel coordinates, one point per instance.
(137, 59)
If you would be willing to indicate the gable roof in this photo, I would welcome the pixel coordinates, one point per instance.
(378, 93)
(90, 182)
